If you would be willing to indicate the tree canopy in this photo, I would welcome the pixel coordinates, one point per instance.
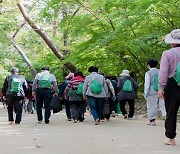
(111, 34)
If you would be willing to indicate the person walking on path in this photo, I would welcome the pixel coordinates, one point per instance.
(76, 100)
(41, 89)
(13, 90)
(151, 93)
(61, 94)
(169, 88)
(95, 90)
(126, 87)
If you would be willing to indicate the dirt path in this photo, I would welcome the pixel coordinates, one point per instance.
(63, 137)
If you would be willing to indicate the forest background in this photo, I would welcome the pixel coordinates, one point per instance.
(75, 34)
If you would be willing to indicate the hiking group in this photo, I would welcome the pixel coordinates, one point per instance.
(101, 93)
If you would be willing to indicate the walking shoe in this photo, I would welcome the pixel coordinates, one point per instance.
(125, 116)
(153, 123)
(170, 142)
(102, 120)
(40, 122)
(11, 122)
(97, 122)
(75, 121)
(69, 119)
(113, 114)
(149, 123)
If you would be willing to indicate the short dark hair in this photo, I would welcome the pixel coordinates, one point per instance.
(78, 73)
(92, 69)
(152, 63)
(45, 68)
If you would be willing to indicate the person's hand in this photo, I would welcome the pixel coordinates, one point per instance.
(55, 94)
(4, 97)
(34, 94)
(161, 93)
(113, 98)
(85, 98)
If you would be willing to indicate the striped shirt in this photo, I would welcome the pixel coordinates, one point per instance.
(74, 83)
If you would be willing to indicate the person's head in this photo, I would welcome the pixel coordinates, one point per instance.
(152, 63)
(78, 73)
(125, 73)
(92, 69)
(173, 38)
(45, 68)
(14, 70)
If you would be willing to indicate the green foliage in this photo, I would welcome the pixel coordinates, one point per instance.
(111, 34)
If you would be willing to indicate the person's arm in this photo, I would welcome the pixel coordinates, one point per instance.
(119, 85)
(146, 85)
(25, 86)
(54, 83)
(34, 86)
(111, 87)
(5, 87)
(105, 86)
(163, 72)
(67, 89)
(85, 88)
(135, 85)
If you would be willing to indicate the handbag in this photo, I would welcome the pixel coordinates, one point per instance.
(55, 104)
(106, 109)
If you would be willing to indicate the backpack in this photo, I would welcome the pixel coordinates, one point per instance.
(45, 80)
(127, 86)
(156, 81)
(177, 75)
(95, 87)
(79, 90)
(15, 85)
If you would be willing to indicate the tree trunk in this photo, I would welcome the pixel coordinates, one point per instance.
(25, 58)
(51, 45)
(38, 30)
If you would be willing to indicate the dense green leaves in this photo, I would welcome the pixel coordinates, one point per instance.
(112, 34)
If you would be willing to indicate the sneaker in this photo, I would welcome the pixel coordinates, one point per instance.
(75, 121)
(113, 114)
(125, 116)
(102, 120)
(69, 119)
(149, 123)
(11, 122)
(97, 122)
(153, 123)
(40, 122)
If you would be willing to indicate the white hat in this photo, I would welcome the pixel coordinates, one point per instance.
(173, 37)
(125, 73)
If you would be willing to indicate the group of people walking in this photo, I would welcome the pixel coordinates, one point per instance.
(161, 89)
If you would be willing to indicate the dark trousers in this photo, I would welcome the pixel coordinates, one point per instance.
(96, 106)
(43, 97)
(131, 107)
(77, 110)
(14, 102)
(113, 105)
(67, 107)
(172, 103)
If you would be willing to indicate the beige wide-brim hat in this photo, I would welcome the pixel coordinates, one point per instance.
(125, 73)
(173, 37)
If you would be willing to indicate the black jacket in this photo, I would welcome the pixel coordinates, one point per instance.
(126, 95)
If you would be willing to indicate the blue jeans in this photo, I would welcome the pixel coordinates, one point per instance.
(96, 106)
(43, 96)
